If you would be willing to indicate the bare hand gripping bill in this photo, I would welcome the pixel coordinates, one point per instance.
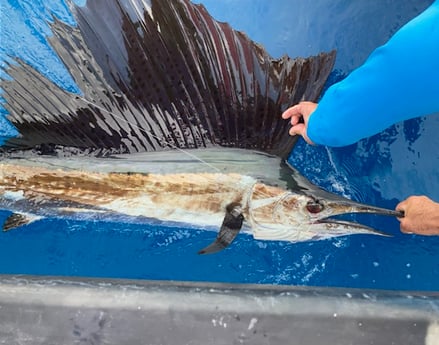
(386, 89)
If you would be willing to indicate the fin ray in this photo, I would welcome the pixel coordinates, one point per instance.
(167, 76)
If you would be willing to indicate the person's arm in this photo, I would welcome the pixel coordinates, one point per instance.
(421, 216)
(399, 81)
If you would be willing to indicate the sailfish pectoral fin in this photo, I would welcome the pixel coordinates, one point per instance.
(230, 227)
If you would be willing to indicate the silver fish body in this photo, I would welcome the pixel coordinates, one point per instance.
(173, 187)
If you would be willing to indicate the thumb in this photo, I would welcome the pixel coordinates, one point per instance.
(298, 129)
(401, 207)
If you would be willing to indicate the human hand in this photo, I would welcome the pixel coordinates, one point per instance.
(421, 215)
(297, 113)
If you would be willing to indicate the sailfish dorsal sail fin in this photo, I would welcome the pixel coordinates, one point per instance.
(159, 76)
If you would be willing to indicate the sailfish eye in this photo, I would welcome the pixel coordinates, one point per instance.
(314, 206)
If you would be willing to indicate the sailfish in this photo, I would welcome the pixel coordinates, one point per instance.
(177, 119)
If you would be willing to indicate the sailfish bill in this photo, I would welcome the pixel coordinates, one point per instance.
(177, 120)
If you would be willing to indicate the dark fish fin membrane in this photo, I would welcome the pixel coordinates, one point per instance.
(16, 220)
(159, 77)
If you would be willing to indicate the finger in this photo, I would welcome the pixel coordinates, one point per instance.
(298, 129)
(406, 228)
(295, 120)
(293, 111)
(401, 206)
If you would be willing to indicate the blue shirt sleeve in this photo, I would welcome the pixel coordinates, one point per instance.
(399, 81)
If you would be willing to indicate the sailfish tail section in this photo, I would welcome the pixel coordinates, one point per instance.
(158, 75)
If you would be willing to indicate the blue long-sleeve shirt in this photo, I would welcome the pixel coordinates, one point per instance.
(399, 81)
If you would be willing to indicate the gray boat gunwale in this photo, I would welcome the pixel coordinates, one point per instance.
(119, 311)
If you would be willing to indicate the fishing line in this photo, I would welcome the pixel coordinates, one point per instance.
(150, 133)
